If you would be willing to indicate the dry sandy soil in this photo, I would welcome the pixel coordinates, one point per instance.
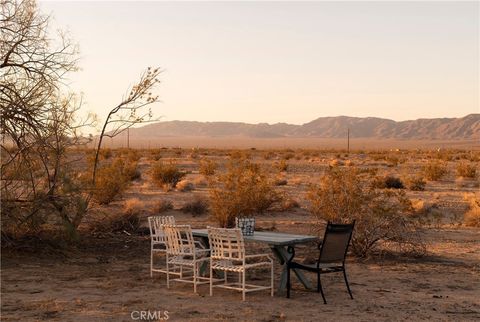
(105, 277)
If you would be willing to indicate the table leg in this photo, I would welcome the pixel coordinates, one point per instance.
(283, 256)
(204, 265)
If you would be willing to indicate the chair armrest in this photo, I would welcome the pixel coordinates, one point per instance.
(202, 250)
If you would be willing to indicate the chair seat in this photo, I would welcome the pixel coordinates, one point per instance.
(185, 260)
(229, 266)
(313, 267)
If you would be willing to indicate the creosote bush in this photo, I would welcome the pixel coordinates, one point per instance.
(415, 183)
(435, 170)
(162, 206)
(388, 182)
(243, 190)
(472, 216)
(198, 206)
(466, 170)
(345, 194)
(166, 175)
(207, 167)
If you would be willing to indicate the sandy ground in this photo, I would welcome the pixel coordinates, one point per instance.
(106, 279)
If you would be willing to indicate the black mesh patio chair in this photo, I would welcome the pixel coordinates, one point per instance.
(333, 251)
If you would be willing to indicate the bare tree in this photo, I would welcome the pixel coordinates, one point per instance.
(40, 182)
(38, 121)
(130, 111)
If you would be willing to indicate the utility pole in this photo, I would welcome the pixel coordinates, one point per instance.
(128, 138)
(348, 140)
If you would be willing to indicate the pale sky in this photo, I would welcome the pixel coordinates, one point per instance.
(280, 61)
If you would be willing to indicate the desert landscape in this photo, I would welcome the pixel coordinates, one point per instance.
(105, 276)
(294, 161)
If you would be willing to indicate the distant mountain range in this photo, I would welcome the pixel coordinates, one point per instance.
(465, 128)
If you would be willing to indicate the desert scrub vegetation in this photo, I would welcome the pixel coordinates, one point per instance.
(388, 182)
(435, 170)
(126, 221)
(466, 170)
(162, 206)
(245, 189)
(207, 167)
(166, 175)
(198, 206)
(381, 215)
(185, 185)
(282, 165)
(472, 216)
(414, 182)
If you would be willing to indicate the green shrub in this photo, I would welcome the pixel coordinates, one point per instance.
(282, 165)
(472, 216)
(415, 183)
(162, 206)
(344, 195)
(110, 182)
(166, 175)
(244, 190)
(466, 170)
(207, 167)
(388, 182)
(198, 206)
(435, 170)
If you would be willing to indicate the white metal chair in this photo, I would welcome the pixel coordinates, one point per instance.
(157, 239)
(228, 255)
(183, 250)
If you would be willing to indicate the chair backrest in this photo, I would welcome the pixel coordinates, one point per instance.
(335, 242)
(156, 230)
(226, 243)
(179, 239)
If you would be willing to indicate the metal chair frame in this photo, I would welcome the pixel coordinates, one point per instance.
(157, 240)
(184, 251)
(228, 255)
(326, 263)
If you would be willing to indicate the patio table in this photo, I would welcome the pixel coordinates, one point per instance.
(280, 244)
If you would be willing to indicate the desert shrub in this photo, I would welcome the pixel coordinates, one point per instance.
(466, 170)
(185, 186)
(106, 153)
(269, 155)
(434, 170)
(288, 156)
(472, 216)
(130, 171)
(166, 175)
(335, 163)
(428, 212)
(288, 204)
(133, 155)
(110, 182)
(243, 190)
(344, 195)
(162, 206)
(282, 165)
(127, 221)
(388, 182)
(198, 206)
(207, 167)
(415, 182)
(281, 182)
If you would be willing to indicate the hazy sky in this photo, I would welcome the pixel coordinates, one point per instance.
(280, 61)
